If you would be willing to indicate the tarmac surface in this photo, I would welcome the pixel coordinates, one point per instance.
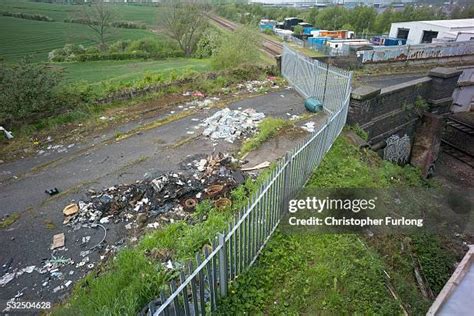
(98, 164)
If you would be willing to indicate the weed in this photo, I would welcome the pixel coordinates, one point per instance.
(9, 220)
(360, 132)
(268, 128)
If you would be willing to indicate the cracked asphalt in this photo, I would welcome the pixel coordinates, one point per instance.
(99, 163)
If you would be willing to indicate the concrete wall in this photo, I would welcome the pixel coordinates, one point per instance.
(396, 109)
(424, 53)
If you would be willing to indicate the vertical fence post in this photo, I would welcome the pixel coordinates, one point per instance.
(286, 183)
(223, 265)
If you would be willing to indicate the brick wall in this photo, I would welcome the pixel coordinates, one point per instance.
(393, 110)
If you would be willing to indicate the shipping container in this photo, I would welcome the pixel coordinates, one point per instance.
(290, 23)
(266, 24)
(339, 34)
(387, 41)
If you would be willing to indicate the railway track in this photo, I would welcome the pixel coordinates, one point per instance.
(273, 48)
(231, 26)
(460, 126)
(458, 153)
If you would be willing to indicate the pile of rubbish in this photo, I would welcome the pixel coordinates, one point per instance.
(257, 85)
(8, 134)
(172, 196)
(231, 124)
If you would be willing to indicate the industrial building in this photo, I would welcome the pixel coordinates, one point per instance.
(322, 3)
(418, 32)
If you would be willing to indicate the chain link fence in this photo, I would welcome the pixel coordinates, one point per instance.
(205, 279)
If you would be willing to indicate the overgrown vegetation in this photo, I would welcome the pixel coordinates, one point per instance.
(238, 48)
(27, 92)
(82, 97)
(312, 275)
(315, 273)
(146, 48)
(268, 128)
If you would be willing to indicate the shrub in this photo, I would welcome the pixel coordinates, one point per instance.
(128, 25)
(118, 47)
(268, 32)
(27, 92)
(68, 53)
(120, 50)
(118, 24)
(208, 44)
(238, 48)
(21, 15)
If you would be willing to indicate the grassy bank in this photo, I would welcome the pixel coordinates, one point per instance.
(313, 273)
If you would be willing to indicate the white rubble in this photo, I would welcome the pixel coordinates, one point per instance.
(231, 124)
(309, 127)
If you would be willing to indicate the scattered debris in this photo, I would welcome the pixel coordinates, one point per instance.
(58, 241)
(71, 209)
(52, 192)
(222, 203)
(231, 124)
(262, 165)
(309, 127)
(8, 134)
(85, 239)
(168, 197)
(6, 278)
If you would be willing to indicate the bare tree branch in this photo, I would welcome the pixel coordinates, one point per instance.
(183, 21)
(98, 16)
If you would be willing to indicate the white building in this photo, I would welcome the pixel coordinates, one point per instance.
(418, 32)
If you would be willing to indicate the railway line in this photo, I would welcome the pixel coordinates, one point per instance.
(271, 47)
(455, 150)
(460, 126)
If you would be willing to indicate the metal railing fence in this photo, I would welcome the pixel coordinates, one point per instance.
(206, 279)
(297, 41)
(315, 79)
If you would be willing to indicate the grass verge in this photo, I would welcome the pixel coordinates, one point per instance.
(334, 274)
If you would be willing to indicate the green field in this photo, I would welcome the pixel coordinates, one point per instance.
(59, 12)
(127, 70)
(20, 37)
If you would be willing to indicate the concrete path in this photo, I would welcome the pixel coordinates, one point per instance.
(98, 164)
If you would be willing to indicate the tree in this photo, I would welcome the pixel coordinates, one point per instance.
(183, 21)
(98, 16)
(363, 18)
(298, 30)
(238, 48)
